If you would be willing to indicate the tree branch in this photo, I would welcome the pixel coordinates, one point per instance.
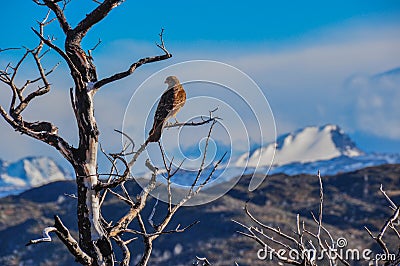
(379, 237)
(74, 71)
(64, 235)
(123, 223)
(99, 13)
(46, 136)
(204, 261)
(59, 14)
(135, 65)
(189, 124)
(125, 251)
(72, 245)
(46, 236)
(8, 49)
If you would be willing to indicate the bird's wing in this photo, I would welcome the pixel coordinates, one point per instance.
(166, 105)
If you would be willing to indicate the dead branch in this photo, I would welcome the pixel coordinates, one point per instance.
(269, 236)
(392, 204)
(64, 235)
(58, 11)
(99, 13)
(125, 250)
(46, 236)
(47, 136)
(159, 229)
(92, 49)
(137, 207)
(204, 120)
(189, 124)
(393, 219)
(74, 71)
(135, 65)
(201, 168)
(202, 261)
(43, 131)
(72, 245)
(117, 181)
(8, 49)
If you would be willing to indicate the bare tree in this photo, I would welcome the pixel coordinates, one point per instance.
(301, 247)
(94, 245)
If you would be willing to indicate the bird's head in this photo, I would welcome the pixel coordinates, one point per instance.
(171, 81)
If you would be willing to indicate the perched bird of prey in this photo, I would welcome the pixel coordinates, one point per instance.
(170, 103)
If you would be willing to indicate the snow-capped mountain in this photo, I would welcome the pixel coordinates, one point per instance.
(305, 145)
(327, 149)
(305, 151)
(29, 172)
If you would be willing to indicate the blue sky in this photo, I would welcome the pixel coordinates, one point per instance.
(188, 21)
(316, 62)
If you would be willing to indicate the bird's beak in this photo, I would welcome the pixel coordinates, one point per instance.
(165, 81)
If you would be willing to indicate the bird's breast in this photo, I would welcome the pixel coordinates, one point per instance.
(179, 97)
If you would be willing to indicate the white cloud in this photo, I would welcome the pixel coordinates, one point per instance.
(305, 83)
(377, 108)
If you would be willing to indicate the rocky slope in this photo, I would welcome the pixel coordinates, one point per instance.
(352, 200)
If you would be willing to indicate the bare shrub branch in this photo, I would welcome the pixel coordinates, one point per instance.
(392, 222)
(307, 244)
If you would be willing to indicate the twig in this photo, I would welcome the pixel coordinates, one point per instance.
(65, 236)
(379, 237)
(135, 65)
(94, 48)
(321, 203)
(125, 251)
(201, 168)
(392, 204)
(153, 211)
(73, 196)
(8, 49)
(131, 142)
(203, 260)
(46, 236)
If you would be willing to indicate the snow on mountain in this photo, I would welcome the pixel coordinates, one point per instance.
(305, 145)
(337, 165)
(307, 150)
(29, 172)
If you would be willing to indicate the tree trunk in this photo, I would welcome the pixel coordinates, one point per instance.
(92, 237)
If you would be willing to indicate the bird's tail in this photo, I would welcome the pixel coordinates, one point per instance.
(155, 133)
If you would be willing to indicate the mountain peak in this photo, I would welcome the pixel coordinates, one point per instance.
(307, 144)
(29, 172)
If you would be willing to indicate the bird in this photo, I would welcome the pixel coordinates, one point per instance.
(171, 101)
